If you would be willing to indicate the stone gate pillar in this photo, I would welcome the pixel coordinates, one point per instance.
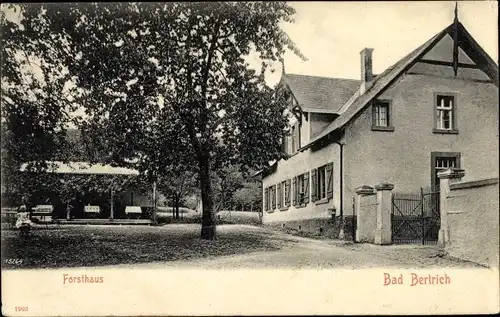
(446, 178)
(383, 233)
(366, 218)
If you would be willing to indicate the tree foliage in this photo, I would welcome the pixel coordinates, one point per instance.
(249, 195)
(34, 110)
(168, 84)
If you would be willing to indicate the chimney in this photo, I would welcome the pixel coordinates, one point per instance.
(366, 69)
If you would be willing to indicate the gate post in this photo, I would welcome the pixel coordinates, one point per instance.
(365, 217)
(383, 234)
(446, 178)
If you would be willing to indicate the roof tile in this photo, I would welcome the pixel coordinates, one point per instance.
(321, 93)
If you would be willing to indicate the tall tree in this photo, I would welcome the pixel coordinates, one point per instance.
(35, 109)
(156, 74)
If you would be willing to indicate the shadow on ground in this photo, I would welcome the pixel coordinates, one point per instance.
(75, 246)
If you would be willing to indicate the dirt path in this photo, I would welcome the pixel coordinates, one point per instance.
(312, 253)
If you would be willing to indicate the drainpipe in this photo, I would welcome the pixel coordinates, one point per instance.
(341, 233)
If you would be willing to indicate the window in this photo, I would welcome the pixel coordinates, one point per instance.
(294, 138)
(279, 196)
(301, 189)
(282, 194)
(442, 164)
(381, 117)
(445, 114)
(321, 187)
(272, 194)
(287, 192)
(285, 144)
(322, 182)
(441, 161)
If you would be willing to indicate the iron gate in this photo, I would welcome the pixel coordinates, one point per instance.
(415, 217)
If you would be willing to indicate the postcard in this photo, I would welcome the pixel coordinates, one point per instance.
(250, 158)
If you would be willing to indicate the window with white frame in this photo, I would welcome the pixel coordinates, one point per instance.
(283, 194)
(382, 114)
(301, 189)
(445, 108)
(442, 164)
(321, 184)
(272, 194)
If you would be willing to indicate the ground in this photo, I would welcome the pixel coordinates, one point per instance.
(178, 245)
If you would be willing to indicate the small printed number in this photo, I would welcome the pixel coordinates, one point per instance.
(14, 261)
(21, 308)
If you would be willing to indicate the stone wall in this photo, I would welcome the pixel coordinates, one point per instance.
(472, 212)
(366, 218)
(324, 227)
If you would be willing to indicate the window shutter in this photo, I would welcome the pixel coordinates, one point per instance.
(294, 195)
(273, 194)
(266, 199)
(329, 176)
(278, 202)
(289, 192)
(314, 181)
(306, 188)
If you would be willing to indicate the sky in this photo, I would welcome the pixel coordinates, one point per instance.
(331, 34)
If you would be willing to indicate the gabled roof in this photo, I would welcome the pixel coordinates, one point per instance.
(320, 94)
(388, 77)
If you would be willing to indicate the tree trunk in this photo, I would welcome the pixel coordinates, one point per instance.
(173, 207)
(112, 207)
(207, 220)
(68, 215)
(177, 202)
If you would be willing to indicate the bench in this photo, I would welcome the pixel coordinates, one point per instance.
(42, 213)
(133, 211)
(92, 210)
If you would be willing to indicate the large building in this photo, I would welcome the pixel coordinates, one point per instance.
(435, 108)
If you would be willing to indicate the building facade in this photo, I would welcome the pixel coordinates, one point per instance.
(435, 108)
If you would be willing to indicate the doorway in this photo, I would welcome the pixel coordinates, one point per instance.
(441, 161)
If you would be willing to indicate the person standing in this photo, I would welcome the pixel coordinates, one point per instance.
(69, 207)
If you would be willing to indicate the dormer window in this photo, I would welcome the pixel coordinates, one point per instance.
(381, 116)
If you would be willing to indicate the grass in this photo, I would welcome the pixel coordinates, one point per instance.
(73, 246)
(226, 217)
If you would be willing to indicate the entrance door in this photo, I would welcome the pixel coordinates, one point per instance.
(441, 161)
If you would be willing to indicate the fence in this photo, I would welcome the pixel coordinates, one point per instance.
(415, 217)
